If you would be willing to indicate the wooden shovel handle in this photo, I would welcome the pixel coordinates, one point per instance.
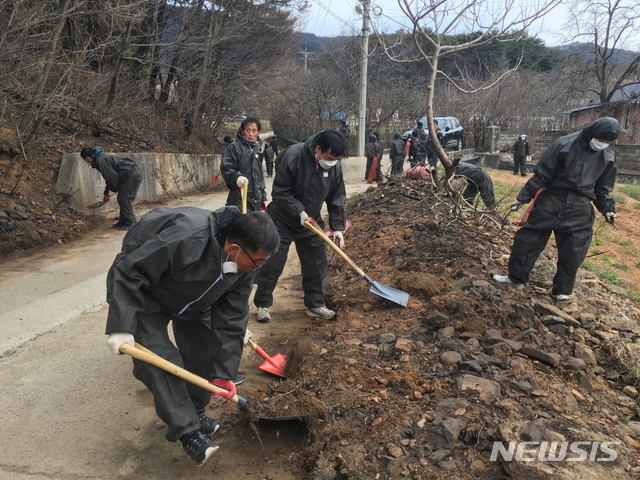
(244, 193)
(262, 353)
(141, 353)
(318, 231)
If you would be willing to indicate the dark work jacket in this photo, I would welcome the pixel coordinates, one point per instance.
(302, 185)
(396, 152)
(520, 149)
(372, 148)
(482, 181)
(174, 256)
(569, 167)
(239, 158)
(115, 169)
(268, 154)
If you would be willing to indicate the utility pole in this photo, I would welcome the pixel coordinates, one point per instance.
(362, 116)
(305, 55)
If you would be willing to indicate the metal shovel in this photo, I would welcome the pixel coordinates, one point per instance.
(388, 293)
(275, 364)
(141, 353)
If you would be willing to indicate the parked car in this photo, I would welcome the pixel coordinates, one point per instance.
(451, 129)
(237, 119)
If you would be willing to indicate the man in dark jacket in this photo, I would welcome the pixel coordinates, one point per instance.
(396, 154)
(274, 145)
(372, 149)
(346, 132)
(520, 152)
(307, 175)
(195, 268)
(241, 163)
(267, 154)
(574, 171)
(478, 181)
(122, 175)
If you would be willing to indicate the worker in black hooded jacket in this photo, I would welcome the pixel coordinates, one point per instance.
(241, 163)
(195, 268)
(396, 154)
(574, 171)
(371, 150)
(307, 176)
(478, 181)
(122, 175)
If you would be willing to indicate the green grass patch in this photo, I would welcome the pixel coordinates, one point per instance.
(603, 273)
(626, 243)
(630, 189)
(619, 198)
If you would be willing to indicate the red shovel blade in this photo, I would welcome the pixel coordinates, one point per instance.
(214, 179)
(275, 365)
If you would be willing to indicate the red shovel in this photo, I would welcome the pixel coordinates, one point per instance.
(273, 364)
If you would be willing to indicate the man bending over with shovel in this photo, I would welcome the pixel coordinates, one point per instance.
(196, 268)
(307, 175)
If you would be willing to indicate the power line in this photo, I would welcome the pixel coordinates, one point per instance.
(321, 5)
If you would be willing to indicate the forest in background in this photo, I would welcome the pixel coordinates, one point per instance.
(167, 75)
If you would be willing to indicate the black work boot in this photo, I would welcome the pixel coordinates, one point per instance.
(198, 446)
(208, 426)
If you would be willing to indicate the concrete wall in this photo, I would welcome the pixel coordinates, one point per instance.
(163, 174)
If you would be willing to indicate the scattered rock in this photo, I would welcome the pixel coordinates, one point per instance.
(487, 390)
(446, 433)
(386, 338)
(446, 332)
(533, 431)
(450, 358)
(575, 364)
(544, 357)
(629, 390)
(471, 366)
(437, 319)
(492, 336)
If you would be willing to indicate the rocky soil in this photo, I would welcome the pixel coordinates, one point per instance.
(423, 392)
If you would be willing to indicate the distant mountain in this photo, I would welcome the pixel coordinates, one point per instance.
(582, 50)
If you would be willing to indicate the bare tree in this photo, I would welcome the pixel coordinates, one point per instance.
(434, 25)
(607, 26)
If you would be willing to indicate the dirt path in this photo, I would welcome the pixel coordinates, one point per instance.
(70, 409)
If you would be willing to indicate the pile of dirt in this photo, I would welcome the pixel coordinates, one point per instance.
(424, 391)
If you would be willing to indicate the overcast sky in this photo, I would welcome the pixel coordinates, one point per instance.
(328, 18)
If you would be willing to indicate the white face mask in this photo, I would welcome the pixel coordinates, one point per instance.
(327, 164)
(230, 267)
(597, 145)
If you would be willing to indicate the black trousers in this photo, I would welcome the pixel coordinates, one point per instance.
(397, 165)
(570, 217)
(313, 261)
(177, 402)
(520, 164)
(126, 195)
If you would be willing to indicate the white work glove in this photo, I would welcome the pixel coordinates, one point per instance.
(305, 218)
(528, 158)
(241, 181)
(338, 239)
(247, 337)
(118, 338)
(610, 217)
(515, 206)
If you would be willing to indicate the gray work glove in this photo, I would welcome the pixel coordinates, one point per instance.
(240, 181)
(304, 218)
(118, 338)
(610, 217)
(515, 206)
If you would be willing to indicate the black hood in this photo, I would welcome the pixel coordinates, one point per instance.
(396, 136)
(373, 139)
(605, 128)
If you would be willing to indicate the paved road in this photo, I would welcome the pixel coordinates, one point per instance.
(70, 409)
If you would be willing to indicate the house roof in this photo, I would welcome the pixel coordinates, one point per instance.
(627, 94)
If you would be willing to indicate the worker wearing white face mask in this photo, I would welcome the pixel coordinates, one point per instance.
(195, 269)
(307, 176)
(574, 172)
